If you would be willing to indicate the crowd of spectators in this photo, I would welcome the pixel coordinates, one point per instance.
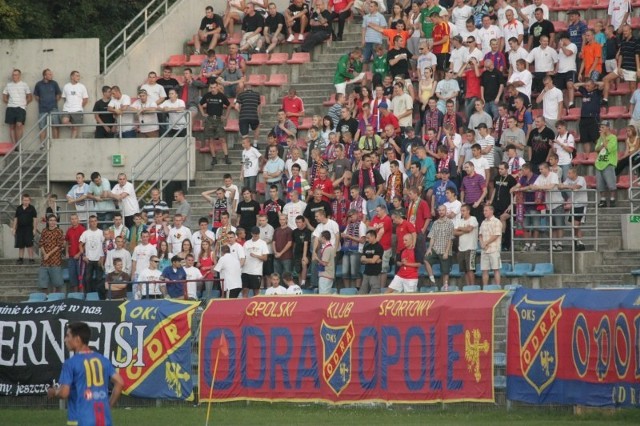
(449, 128)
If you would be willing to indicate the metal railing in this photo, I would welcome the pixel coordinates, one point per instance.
(135, 29)
(589, 224)
(634, 182)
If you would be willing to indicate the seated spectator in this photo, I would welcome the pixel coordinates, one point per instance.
(252, 26)
(275, 29)
(233, 14)
(297, 19)
(319, 28)
(211, 31)
(211, 67)
(232, 80)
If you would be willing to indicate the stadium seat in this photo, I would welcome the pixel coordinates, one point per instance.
(222, 57)
(307, 291)
(93, 296)
(540, 270)
(339, 270)
(5, 147)
(331, 101)
(595, 4)
(579, 158)
(635, 22)
(500, 359)
(232, 126)
(591, 181)
(37, 297)
(455, 271)
(277, 80)
(55, 296)
(452, 288)
(256, 79)
(295, 38)
(261, 187)
(623, 182)
(591, 159)
(279, 58)
(176, 61)
(429, 289)
(562, 5)
(492, 287)
(622, 134)
(519, 269)
(333, 290)
(76, 295)
(352, 291)
(573, 114)
(263, 291)
(306, 123)
(233, 38)
(471, 288)
(300, 58)
(560, 26)
(258, 59)
(614, 112)
(195, 60)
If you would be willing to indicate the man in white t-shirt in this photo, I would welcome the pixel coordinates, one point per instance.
(512, 28)
(228, 266)
(142, 253)
(17, 95)
(145, 287)
(548, 181)
(294, 208)
(177, 234)
(567, 67)
(522, 78)
(500, 9)
(257, 253)
(515, 52)
(75, 97)
(118, 253)
(200, 235)
(544, 58)
(275, 289)
(459, 15)
(580, 198)
(619, 12)
(426, 59)
(250, 164)
(552, 102)
(480, 164)
(119, 107)
(490, 32)
(147, 115)
(125, 193)
(235, 248)
(155, 92)
(92, 254)
(78, 197)
(466, 229)
(193, 273)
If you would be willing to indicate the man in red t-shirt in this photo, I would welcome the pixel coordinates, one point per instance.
(382, 224)
(74, 262)
(293, 107)
(406, 278)
(419, 214)
(403, 227)
(387, 117)
(324, 184)
(441, 42)
(341, 10)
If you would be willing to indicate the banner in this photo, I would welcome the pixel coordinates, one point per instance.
(396, 348)
(574, 346)
(149, 342)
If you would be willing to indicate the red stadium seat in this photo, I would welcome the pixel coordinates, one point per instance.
(331, 101)
(180, 78)
(622, 134)
(176, 61)
(306, 123)
(614, 112)
(596, 4)
(222, 57)
(256, 79)
(536, 112)
(300, 58)
(197, 126)
(261, 188)
(564, 5)
(5, 147)
(591, 181)
(302, 144)
(202, 147)
(590, 160)
(579, 158)
(560, 26)
(620, 89)
(635, 22)
(195, 60)
(623, 182)
(258, 59)
(572, 115)
(278, 58)
(277, 80)
(232, 126)
(233, 38)
(263, 100)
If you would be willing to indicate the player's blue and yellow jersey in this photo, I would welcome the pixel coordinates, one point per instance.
(88, 375)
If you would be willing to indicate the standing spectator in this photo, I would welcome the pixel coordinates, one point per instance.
(490, 236)
(440, 245)
(282, 246)
(119, 106)
(383, 225)
(471, 75)
(467, 232)
(441, 46)
(47, 93)
(293, 107)
(473, 190)
(147, 286)
(577, 203)
(125, 193)
(372, 253)
(297, 18)
(275, 29)
(142, 255)
(250, 163)
(325, 259)
(211, 31)
(266, 235)
(545, 59)
(116, 280)
(606, 162)
(104, 120)
(489, 32)
(118, 253)
(247, 210)
(406, 277)
(353, 239)
(589, 112)
(526, 213)
(370, 37)
(491, 89)
(516, 51)
(182, 207)
(252, 26)
(284, 128)
(176, 275)
(348, 71)
(201, 235)
(399, 60)
(212, 107)
(189, 91)
(522, 79)
(539, 143)
(628, 62)
(178, 233)
(146, 115)
(576, 30)
(98, 193)
(75, 98)
(548, 182)
(257, 253)
(541, 27)
(273, 207)
(512, 28)
(552, 102)
(74, 255)
(79, 196)
(24, 228)
(567, 71)
(500, 198)
(91, 248)
(154, 204)
(301, 236)
(564, 145)
(419, 215)
(619, 12)
(17, 96)
(591, 66)
(273, 170)
(230, 270)
(167, 81)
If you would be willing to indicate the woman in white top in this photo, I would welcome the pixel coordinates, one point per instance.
(414, 19)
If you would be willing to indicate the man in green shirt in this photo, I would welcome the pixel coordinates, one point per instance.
(380, 65)
(606, 162)
(349, 70)
(428, 7)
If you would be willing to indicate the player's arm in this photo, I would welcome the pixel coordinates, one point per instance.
(61, 392)
(118, 384)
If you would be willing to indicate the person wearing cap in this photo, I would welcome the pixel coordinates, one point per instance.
(257, 252)
(606, 162)
(591, 92)
(175, 274)
(353, 238)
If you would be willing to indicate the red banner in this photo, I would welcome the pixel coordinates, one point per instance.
(413, 348)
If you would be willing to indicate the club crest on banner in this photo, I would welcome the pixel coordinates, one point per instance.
(538, 334)
(336, 359)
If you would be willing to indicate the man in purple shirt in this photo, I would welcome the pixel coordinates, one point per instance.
(473, 190)
(531, 214)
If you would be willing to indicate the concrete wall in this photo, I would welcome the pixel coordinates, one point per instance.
(60, 55)
(69, 156)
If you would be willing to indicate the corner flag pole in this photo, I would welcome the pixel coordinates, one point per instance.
(225, 349)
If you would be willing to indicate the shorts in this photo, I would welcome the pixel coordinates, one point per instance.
(386, 258)
(325, 285)
(246, 125)
(626, 75)
(445, 264)
(606, 179)
(610, 65)
(589, 129)
(267, 266)
(214, 128)
(296, 27)
(15, 115)
(55, 118)
(50, 276)
(404, 285)
(578, 213)
(269, 38)
(74, 117)
(24, 237)
(562, 79)
(490, 261)
(558, 218)
(595, 75)
(223, 37)
(442, 61)
(532, 220)
(252, 282)
(250, 39)
(467, 260)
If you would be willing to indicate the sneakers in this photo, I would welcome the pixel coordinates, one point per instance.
(602, 203)
(300, 37)
(20, 261)
(214, 161)
(570, 105)
(612, 203)
(32, 261)
(226, 160)
(196, 52)
(557, 247)
(432, 279)
(534, 247)
(605, 102)
(526, 247)
(580, 246)
(290, 38)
